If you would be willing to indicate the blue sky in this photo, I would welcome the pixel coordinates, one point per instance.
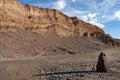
(103, 13)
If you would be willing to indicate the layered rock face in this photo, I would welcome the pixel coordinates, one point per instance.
(15, 16)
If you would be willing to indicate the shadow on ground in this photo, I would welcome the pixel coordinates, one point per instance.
(67, 72)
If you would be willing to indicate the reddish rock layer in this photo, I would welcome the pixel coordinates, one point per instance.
(15, 16)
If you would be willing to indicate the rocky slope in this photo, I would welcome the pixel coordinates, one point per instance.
(17, 17)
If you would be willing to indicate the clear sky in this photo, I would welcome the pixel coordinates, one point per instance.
(103, 13)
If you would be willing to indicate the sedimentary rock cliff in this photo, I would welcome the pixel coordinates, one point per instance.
(15, 16)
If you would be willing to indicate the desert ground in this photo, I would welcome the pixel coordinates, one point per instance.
(41, 56)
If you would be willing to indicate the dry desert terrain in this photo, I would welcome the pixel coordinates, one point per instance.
(36, 56)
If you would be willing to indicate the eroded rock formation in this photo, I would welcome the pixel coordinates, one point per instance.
(102, 65)
(15, 16)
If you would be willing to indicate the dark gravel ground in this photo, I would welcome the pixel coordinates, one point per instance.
(77, 71)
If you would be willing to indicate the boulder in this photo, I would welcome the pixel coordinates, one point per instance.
(102, 64)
